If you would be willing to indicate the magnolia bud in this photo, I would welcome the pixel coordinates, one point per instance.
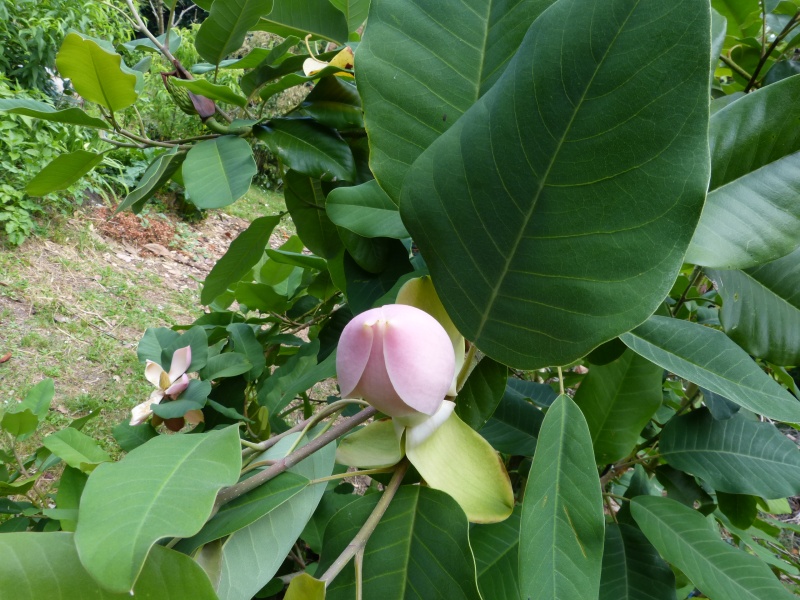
(398, 358)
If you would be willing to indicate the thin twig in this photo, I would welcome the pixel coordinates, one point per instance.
(778, 39)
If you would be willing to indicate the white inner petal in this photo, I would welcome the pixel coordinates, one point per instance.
(421, 430)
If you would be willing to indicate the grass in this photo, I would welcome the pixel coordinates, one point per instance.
(71, 311)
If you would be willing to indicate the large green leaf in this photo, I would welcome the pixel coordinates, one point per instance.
(496, 550)
(618, 400)
(739, 455)
(242, 255)
(309, 148)
(561, 536)
(63, 171)
(751, 215)
(252, 555)
(39, 566)
(164, 488)
(420, 69)
(97, 72)
(157, 174)
(355, 11)
(40, 110)
(335, 103)
(365, 210)
(76, 449)
(683, 537)
(419, 550)
(305, 200)
(487, 203)
(632, 569)
(761, 308)
(299, 17)
(218, 172)
(226, 26)
(711, 360)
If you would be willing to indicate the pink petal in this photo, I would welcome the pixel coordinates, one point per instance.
(181, 359)
(353, 352)
(152, 373)
(177, 387)
(419, 357)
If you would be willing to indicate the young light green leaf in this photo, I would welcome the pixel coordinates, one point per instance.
(711, 360)
(485, 202)
(373, 446)
(750, 216)
(164, 488)
(63, 171)
(738, 455)
(420, 549)
(761, 308)
(419, 70)
(683, 538)
(97, 72)
(218, 172)
(244, 252)
(561, 535)
(41, 110)
(21, 420)
(226, 26)
(618, 400)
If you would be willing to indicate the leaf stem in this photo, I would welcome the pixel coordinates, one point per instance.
(235, 491)
(351, 474)
(331, 409)
(560, 381)
(735, 67)
(694, 278)
(359, 542)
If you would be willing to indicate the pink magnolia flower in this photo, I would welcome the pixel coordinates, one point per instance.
(399, 359)
(168, 384)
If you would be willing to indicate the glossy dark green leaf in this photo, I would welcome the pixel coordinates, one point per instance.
(223, 31)
(638, 485)
(420, 549)
(486, 202)
(481, 393)
(750, 216)
(365, 289)
(165, 488)
(514, 426)
(632, 568)
(329, 505)
(218, 172)
(63, 171)
(781, 70)
(270, 69)
(218, 92)
(97, 72)
(70, 488)
(541, 394)
(242, 255)
(299, 17)
(245, 510)
(309, 148)
(710, 359)
(305, 200)
(334, 102)
(683, 537)
(739, 455)
(741, 509)
(761, 308)
(561, 535)
(618, 400)
(496, 550)
(420, 69)
(45, 565)
(245, 342)
(254, 58)
(365, 210)
(158, 173)
(41, 110)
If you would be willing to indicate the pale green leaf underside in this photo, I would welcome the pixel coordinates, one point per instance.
(218, 172)
(40, 110)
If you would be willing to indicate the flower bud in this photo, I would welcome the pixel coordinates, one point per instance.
(398, 358)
